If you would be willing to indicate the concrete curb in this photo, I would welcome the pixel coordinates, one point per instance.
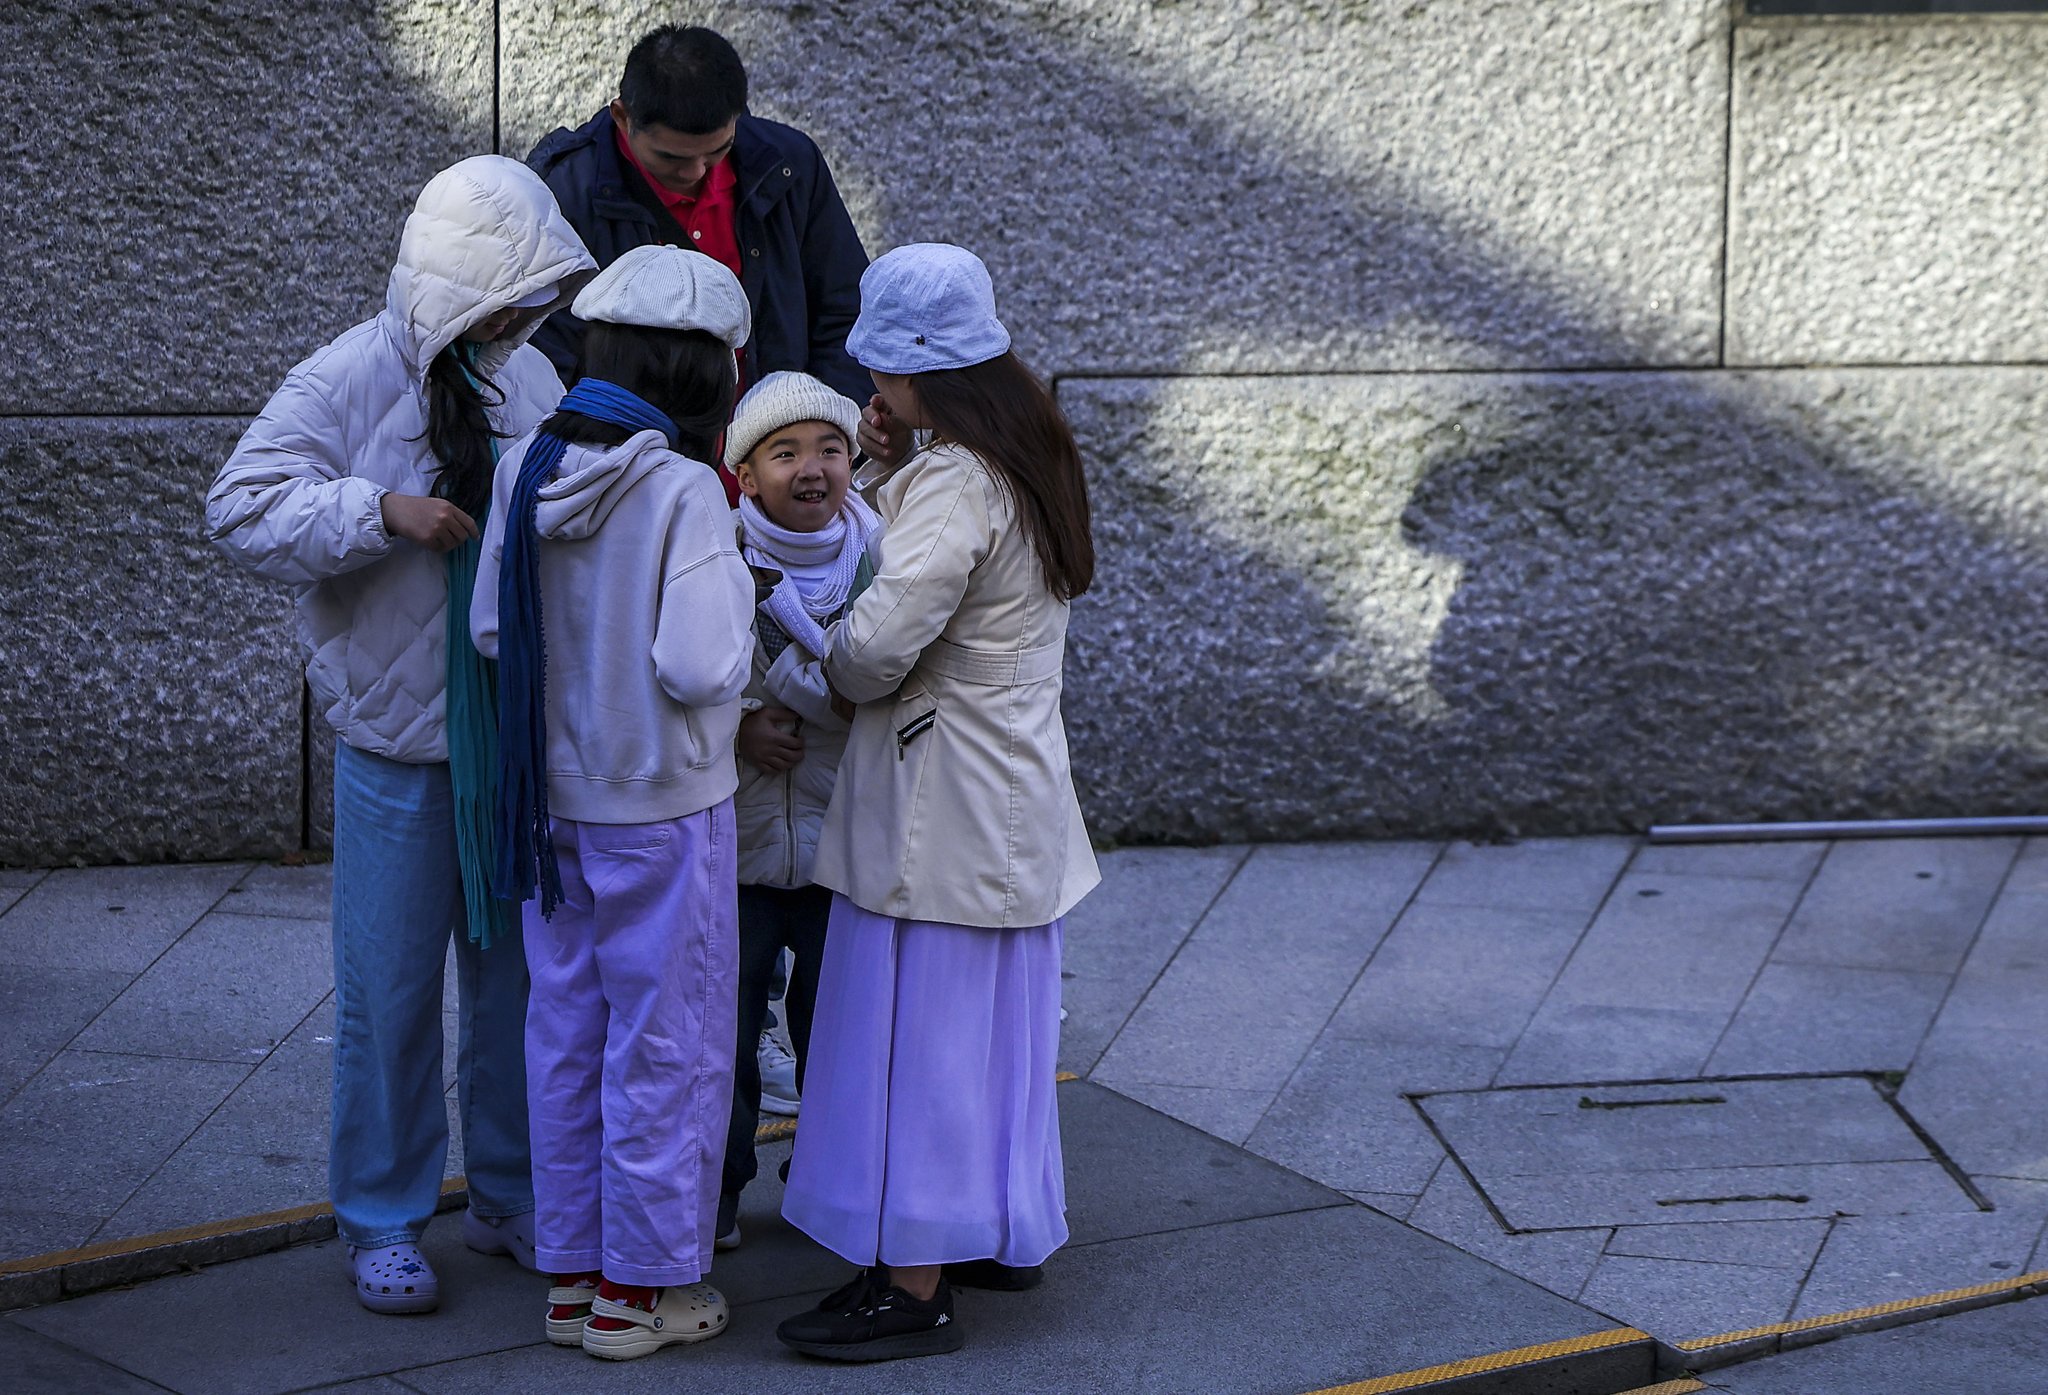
(46, 1278)
(1596, 1361)
(38, 1279)
(1727, 1348)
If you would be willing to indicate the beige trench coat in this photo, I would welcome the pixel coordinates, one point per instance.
(954, 801)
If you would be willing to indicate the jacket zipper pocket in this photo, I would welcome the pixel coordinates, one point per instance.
(917, 726)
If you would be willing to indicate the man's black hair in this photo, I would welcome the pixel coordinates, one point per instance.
(689, 80)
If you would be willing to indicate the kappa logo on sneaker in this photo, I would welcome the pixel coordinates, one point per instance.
(944, 1318)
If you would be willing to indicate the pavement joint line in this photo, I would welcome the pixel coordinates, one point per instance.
(1492, 1362)
(1995, 1289)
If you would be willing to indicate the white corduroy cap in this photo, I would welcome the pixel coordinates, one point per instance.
(665, 287)
(782, 398)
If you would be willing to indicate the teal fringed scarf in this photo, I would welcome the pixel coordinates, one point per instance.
(472, 722)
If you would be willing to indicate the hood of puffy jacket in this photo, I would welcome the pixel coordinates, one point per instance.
(591, 482)
(484, 234)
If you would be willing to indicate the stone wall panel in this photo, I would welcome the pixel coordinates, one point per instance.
(151, 690)
(1221, 187)
(1559, 603)
(201, 195)
(1889, 192)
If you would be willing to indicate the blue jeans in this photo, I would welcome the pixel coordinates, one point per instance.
(397, 902)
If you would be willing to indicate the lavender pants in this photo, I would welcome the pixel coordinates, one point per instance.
(629, 1046)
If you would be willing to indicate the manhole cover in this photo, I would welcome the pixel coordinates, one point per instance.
(1565, 1156)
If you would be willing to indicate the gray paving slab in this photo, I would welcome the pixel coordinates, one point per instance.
(1915, 906)
(1342, 1119)
(1784, 862)
(38, 1365)
(1395, 1204)
(2029, 875)
(1230, 1115)
(1876, 1259)
(42, 1009)
(118, 918)
(1233, 1015)
(1123, 934)
(1826, 1017)
(305, 892)
(21, 878)
(1973, 1088)
(281, 1108)
(1350, 1295)
(1599, 1041)
(1656, 978)
(89, 1130)
(1733, 1193)
(1759, 1244)
(1289, 894)
(2004, 981)
(9, 895)
(1133, 1171)
(197, 1185)
(1158, 1210)
(1676, 1299)
(1999, 1350)
(230, 989)
(1460, 975)
(1560, 1260)
(169, 1331)
(42, 1231)
(1554, 874)
(1705, 1125)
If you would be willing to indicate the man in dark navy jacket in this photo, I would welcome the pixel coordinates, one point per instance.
(675, 158)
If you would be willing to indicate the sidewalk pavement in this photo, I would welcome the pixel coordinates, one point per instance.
(1706, 1092)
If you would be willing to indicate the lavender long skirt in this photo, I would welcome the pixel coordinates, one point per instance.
(930, 1132)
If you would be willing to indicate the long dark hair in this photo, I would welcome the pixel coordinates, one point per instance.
(1004, 414)
(459, 430)
(687, 373)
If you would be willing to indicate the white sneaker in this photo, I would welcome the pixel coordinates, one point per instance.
(778, 1077)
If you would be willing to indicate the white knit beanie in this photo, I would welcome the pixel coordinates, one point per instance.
(782, 398)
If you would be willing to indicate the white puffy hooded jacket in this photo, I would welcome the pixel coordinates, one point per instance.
(301, 498)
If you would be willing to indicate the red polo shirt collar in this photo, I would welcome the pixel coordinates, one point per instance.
(706, 217)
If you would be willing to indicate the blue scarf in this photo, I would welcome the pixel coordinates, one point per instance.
(524, 840)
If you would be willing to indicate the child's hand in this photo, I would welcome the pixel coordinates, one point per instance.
(434, 524)
(882, 433)
(768, 739)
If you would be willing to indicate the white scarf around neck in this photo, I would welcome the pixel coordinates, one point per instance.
(838, 547)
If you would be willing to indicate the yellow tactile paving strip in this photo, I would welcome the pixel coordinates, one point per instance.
(1900, 1305)
(1684, 1385)
(1492, 1361)
(232, 1226)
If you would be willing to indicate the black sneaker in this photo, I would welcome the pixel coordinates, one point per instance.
(849, 1295)
(1002, 1278)
(727, 1235)
(889, 1325)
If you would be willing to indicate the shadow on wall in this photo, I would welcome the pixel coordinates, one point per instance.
(1617, 597)
(199, 197)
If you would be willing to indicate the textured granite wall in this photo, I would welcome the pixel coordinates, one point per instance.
(1499, 412)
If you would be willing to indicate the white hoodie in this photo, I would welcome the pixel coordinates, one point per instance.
(301, 500)
(647, 616)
